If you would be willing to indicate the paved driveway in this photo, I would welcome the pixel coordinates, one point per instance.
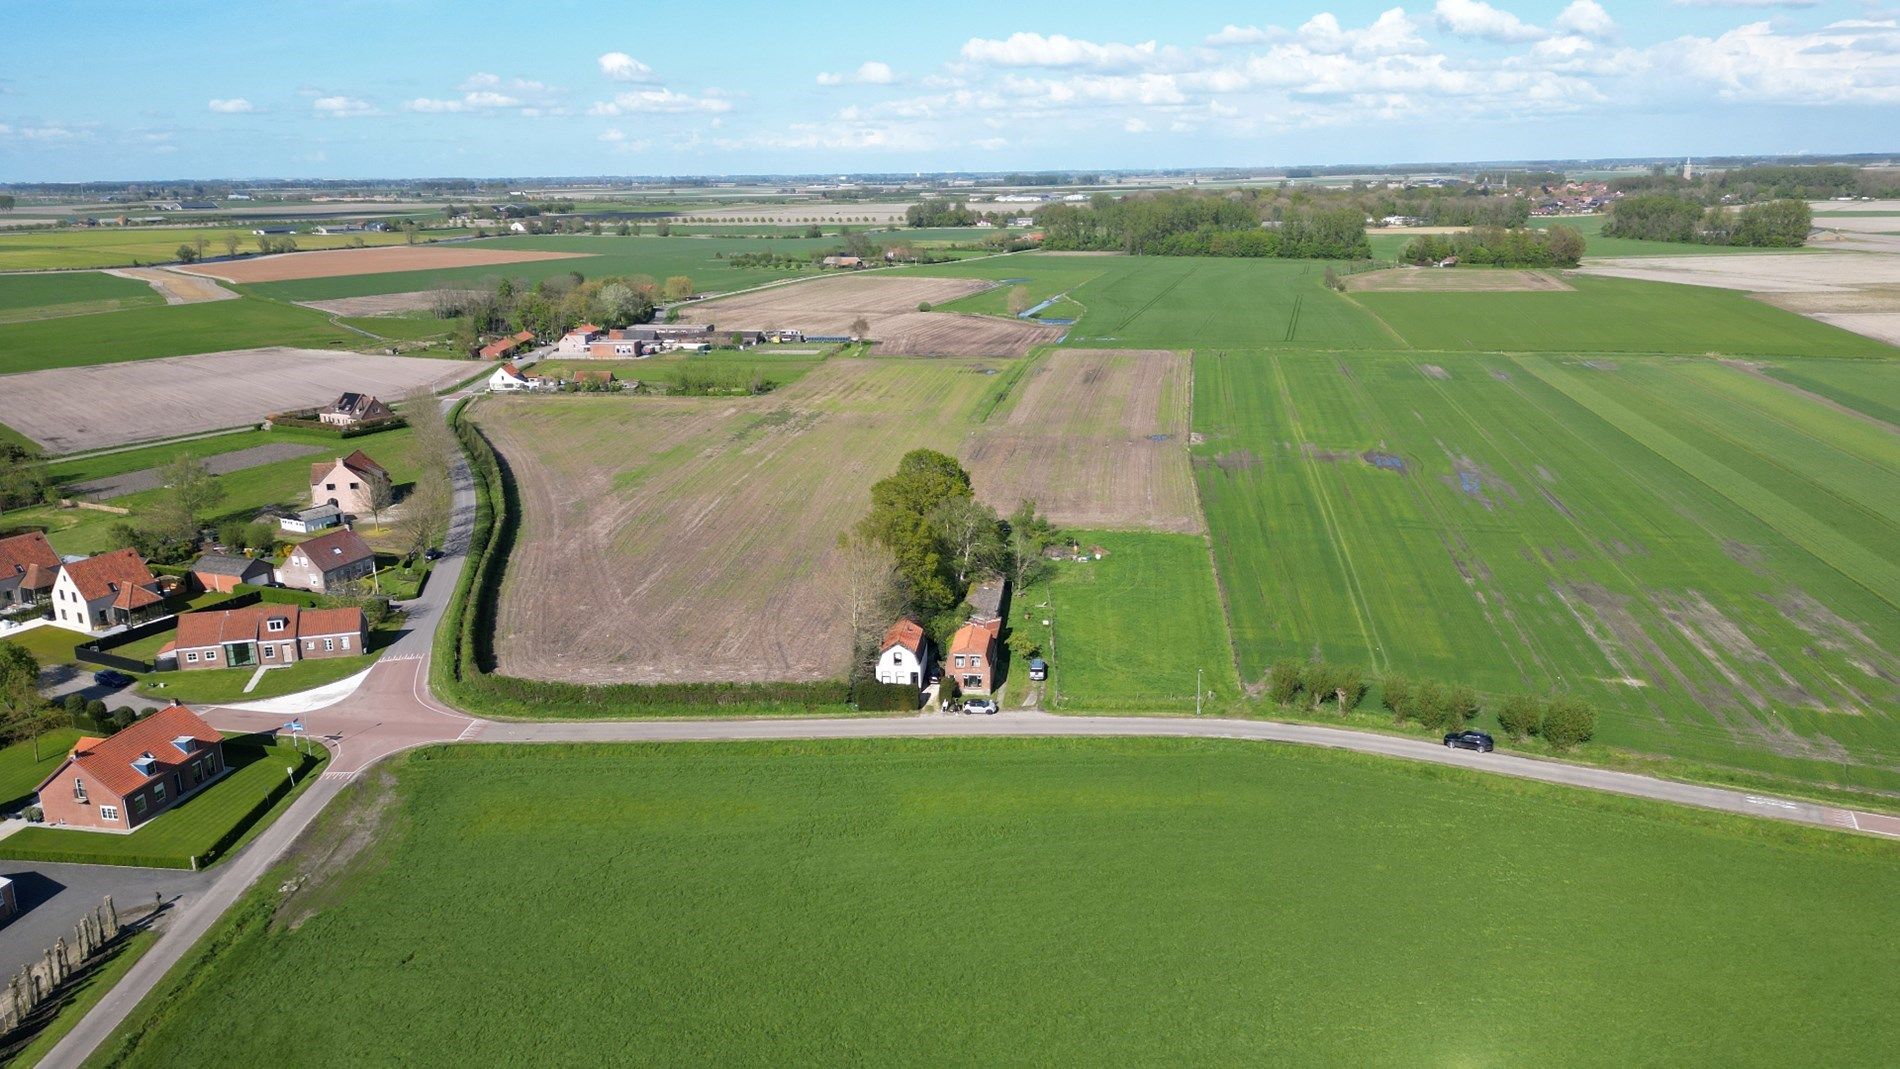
(53, 897)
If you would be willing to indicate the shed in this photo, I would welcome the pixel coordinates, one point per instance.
(222, 573)
(311, 519)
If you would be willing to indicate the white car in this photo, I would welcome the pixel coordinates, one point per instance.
(979, 705)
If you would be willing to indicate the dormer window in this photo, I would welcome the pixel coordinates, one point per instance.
(145, 764)
(274, 625)
(185, 743)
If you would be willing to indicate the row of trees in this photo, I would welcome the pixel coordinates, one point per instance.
(552, 306)
(1561, 720)
(1669, 217)
(925, 540)
(939, 213)
(1200, 224)
(1555, 246)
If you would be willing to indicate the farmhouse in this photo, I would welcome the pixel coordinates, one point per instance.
(328, 562)
(510, 379)
(352, 409)
(347, 482)
(216, 571)
(576, 341)
(507, 346)
(266, 635)
(119, 783)
(315, 518)
(27, 568)
(105, 591)
(905, 655)
(973, 655)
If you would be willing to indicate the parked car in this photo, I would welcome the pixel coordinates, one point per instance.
(1038, 669)
(979, 705)
(106, 677)
(1470, 740)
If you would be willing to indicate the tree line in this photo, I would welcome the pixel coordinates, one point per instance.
(1670, 217)
(1203, 224)
(1555, 246)
(1562, 720)
(552, 306)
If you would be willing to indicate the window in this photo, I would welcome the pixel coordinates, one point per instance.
(211, 655)
(138, 804)
(354, 485)
(273, 626)
(158, 791)
(329, 644)
(79, 789)
(211, 762)
(191, 657)
(346, 642)
(310, 645)
(108, 812)
(270, 651)
(329, 486)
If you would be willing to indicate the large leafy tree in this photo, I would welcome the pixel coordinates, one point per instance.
(900, 520)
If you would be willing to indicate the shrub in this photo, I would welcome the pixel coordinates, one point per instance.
(1568, 720)
(96, 712)
(1395, 691)
(1316, 683)
(122, 718)
(1520, 715)
(1463, 702)
(872, 696)
(1284, 681)
(923, 306)
(1349, 688)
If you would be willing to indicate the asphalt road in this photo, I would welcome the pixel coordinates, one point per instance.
(52, 898)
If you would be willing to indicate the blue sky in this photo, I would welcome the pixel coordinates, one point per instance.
(407, 88)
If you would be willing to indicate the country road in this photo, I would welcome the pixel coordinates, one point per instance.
(392, 710)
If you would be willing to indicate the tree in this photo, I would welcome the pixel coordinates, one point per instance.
(425, 514)
(1349, 688)
(1023, 643)
(187, 253)
(1566, 245)
(190, 490)
(874, 596)
(1520, 715)
(814, 231)
(1463, 705)
(677, 288)
(1018, 300)
(1568, 720)
(1316, 682)
(382, 494)
(1029, 534)
(230, 244)
(1285, 680)
(23, 713)
(1395, 692)
(971, 537)
(860, 328)
(663, 228)
(24, 479)
(899, 520)
(923, 306)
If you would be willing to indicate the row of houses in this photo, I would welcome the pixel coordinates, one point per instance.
(592, 342)
(907, 656)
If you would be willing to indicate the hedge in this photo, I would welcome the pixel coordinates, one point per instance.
(356, 431)
(463, 662)
(873, 696)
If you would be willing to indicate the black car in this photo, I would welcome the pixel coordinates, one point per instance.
(116, 680)
(1470, 740)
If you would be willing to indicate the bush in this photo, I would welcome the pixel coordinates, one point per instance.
(1349, 688)
(1568, 720)
(122, 718)
(923, 306)
(1463, 705)
(96, 712)
(1395, 691)
(1520, 715)
(1284, 681)
(1316, 683)
(872, 696)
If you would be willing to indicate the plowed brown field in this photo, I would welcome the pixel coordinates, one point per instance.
(335, 262)
(828, 306)
(1454, 280)
(694, 539)
(1098, 438)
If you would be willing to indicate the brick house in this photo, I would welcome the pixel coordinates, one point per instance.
(267, 634)
(328, 562)
(905, 655)
(346, 482)
(507, 346)
(351, 409)
(221, 573)
(28, 566)
(119, 783)
(973, 655)
(105, 591)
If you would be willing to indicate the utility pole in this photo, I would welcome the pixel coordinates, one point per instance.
(1197, 692)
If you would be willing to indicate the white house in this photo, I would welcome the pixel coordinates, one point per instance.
(905, 655)
(509, 379)
(575, 342)
(105, 591)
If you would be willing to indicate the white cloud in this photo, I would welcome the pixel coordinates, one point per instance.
(1843, 63)
(1475, 18)
(46, 131)
(660, 101)
(1056, 50)
(624, 68)
(991, 144)
(1586, 18)
(232, 106)
(1746, 3)
(870, 72)
(1135, 126)
(342, 107)
(1392, 32)
(1230, 35)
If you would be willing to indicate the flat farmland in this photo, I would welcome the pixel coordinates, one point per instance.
(399, 258)
(1454, 280)
(70, 410)
(888, 304)
(131, 246)
(1158, 302)
(1703, 553)
(1028, 902)
(694, 539)
(168, 330)
(705, 260)
(66, 293)
(1097, 438)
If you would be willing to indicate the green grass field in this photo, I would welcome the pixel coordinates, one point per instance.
(1133, 902)
(81, 999)
(170, 330)
(25, 297)
(217, 819)
(1099, 661)
(735, 368)
(700, 258)
(1873, 390)
(38, 250)
(20, 772)
(1703, 555)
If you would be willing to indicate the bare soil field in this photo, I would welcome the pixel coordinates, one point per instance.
(1454, 280)
(378, 304)
(1882, 326)
(695, 539)
(816, 212)
(72, 409)
(1758, 273)
(334, 262)
(176, 287)
(828, 306)
(1097, 438)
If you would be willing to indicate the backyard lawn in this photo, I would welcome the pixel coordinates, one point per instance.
(206, 826)
(20, 772)
(1031, 902)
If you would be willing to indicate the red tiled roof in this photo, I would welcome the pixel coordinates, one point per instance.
(197, 630)
(512, 370)
(335, 550)
(22, 552)
(907, 634)
(104, 575)
(524, 336)
(975, 637)
(108, 764)
(319, 622)
(358, 462)
(135, 597)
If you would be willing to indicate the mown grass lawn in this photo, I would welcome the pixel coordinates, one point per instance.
(222, 686)
(216, 820)
(1055, 902)
(1130, 630)
(21, 771)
